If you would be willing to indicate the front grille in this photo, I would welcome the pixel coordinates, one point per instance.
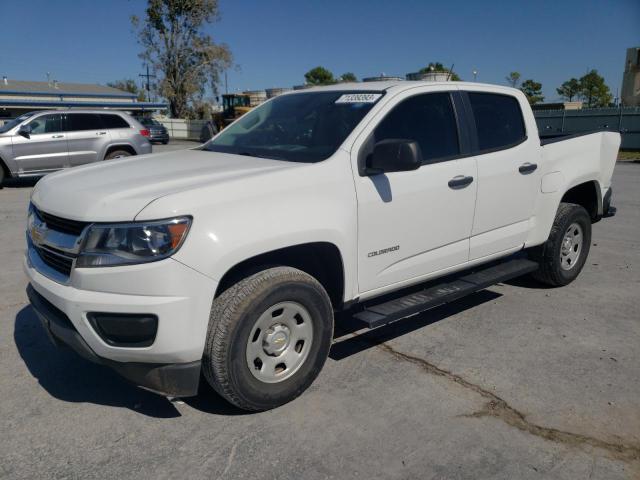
(63, 225)
(56, 259)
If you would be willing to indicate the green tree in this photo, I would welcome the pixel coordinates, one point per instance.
(319, 76)
(186, 59)
(569, 89)
(439, 67)
(513, 79)
(594, 91)
(128, 85)
(533, 91)
(348, 77)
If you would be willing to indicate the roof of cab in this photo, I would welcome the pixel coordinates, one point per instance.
(399, 85)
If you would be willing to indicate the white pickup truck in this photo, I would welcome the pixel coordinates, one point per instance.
(230, 259)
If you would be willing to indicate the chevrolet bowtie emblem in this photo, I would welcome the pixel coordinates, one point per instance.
(38, 232)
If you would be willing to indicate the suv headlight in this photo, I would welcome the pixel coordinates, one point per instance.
(129, 243)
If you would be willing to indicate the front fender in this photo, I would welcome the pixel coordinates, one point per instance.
(240, 219)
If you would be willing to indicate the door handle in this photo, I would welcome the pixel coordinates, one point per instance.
(459, 182)
(527, 168)
(57, 136)
(101, 133)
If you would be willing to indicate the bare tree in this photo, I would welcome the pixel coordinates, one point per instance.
(187, 59)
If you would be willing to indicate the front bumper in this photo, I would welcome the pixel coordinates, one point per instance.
(179, 296)
(177, 380)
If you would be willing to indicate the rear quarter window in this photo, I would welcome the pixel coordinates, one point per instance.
(114, 121)
(499, 121)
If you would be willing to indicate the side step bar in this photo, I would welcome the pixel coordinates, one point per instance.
(399, 308)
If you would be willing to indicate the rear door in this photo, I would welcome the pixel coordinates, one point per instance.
(508, 173)
(86, 136)
(45, 149)
(412, 224)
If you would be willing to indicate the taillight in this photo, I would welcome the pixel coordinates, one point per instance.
(144, 133)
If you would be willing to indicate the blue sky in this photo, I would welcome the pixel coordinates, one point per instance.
(275, 42)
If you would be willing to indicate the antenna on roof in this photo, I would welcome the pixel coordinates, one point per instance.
(450, 72)
(49, 78)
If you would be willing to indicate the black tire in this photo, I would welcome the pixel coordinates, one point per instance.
(548, 255)
(2, 174)
(117, 154)
(164, 142)
(233, 316)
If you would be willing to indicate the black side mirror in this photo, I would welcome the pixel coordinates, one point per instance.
(25, 131)
(394, 155)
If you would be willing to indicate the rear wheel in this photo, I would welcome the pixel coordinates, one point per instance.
(563, 255)
(269, 336)
(117, 154)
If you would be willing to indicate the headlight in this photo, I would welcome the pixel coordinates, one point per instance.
(127, 243)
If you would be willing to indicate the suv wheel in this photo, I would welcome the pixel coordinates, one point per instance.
(117, 154)
(269, 336)
(563, 255)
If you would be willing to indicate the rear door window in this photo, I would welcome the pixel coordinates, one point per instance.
(499, 121)
(114, 121)
(83, 121)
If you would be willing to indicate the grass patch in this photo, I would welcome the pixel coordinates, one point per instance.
(629, 155)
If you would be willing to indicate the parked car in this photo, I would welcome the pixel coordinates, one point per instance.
(157, 131)
(231, 258)
(38, 143)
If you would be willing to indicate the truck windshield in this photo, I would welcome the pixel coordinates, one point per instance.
(302, 127)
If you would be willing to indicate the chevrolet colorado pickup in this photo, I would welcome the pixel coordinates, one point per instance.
(228, 261)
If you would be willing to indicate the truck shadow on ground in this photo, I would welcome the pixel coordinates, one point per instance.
(348, 342)
(19, 182)
(68, 377)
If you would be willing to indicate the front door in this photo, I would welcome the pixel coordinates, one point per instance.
(412, 224)
(45, 149)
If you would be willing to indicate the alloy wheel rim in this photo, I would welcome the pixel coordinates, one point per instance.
(279, 342)
(571, 247)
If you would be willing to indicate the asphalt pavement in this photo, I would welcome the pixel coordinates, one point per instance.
(515, 382)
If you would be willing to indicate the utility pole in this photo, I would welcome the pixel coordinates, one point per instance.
(147, 76)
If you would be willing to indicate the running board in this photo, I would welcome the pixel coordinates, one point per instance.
(403, 307)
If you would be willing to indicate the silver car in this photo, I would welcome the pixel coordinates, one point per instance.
(38, 143)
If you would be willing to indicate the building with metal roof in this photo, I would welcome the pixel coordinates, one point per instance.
(18, 97)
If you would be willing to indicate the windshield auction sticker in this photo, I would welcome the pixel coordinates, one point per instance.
(359, 98)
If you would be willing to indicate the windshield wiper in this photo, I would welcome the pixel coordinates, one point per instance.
(258, 155)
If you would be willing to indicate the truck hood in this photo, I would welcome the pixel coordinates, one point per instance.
(117, 190)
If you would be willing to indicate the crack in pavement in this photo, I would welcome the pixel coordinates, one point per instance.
(499, 408)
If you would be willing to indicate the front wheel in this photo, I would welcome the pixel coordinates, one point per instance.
(268, 338)
(563, 255)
